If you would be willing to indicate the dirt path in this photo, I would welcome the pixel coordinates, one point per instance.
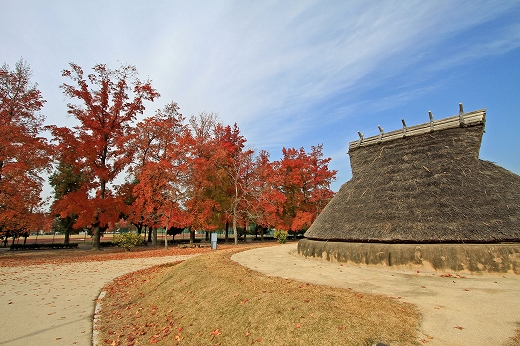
(474, 310)
(54, 304)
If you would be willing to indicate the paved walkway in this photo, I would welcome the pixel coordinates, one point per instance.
(486, 307)
(54, 304)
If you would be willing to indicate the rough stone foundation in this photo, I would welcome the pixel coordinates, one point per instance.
(472, 258)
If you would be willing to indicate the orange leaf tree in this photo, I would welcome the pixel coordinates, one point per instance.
(238, 164)
(158, 173)
(206, 180)
(304, 179)
(24, 155)
(266, 199)
(108, 103)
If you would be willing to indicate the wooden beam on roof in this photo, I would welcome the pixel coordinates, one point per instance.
(470, 119)
(360, 138)
(381, 130)
(461, 115)
(404, 128)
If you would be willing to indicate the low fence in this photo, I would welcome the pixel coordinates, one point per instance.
(84, 238)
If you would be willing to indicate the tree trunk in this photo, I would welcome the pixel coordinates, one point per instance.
(226, 238)
(96, 238)
(67, 237)
(235, 202)
(154, 236)
(166, 227)
(149, 234)
(235, 230)
(192, 236)
(68, 221)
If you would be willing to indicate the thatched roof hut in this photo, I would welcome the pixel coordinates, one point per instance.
(424, 184)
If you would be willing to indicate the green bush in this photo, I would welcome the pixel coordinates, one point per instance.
(281, 236)
(127, 240)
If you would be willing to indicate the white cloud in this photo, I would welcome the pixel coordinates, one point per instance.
(266, 65)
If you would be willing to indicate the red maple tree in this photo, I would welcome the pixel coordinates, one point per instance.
(237, 163)
(304, 179)
(158, 171)
(206, 181)
(24, 154)
(109, 101)
(266, 203)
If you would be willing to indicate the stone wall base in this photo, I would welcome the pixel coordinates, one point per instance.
(471, 258)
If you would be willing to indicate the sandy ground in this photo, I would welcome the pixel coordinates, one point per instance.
(474, 310)
(54, 304)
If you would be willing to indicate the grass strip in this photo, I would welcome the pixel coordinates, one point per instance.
(212, 300)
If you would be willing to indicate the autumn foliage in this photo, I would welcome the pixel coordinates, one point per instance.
(24, 153)
(108, 103)
(164, 171)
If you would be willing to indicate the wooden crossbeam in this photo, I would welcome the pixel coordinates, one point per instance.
(463, 119)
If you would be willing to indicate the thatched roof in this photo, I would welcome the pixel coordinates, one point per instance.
(429, 187)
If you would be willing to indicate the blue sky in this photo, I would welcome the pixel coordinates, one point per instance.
(290, 73)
